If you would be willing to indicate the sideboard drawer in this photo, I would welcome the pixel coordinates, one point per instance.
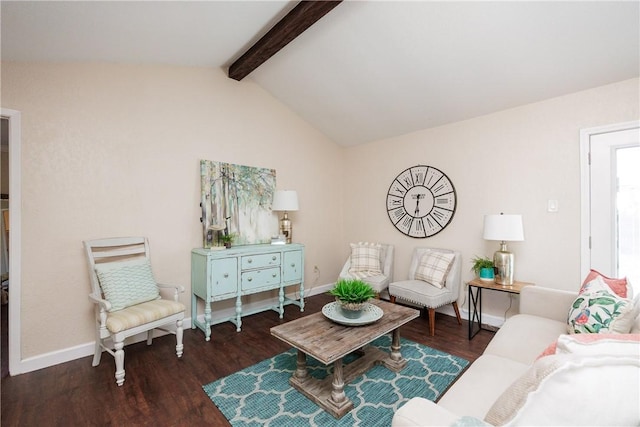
(256, 279)
(224, 276)
(260, 261)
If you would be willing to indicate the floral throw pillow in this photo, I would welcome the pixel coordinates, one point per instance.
(598, 309)
(620, 286)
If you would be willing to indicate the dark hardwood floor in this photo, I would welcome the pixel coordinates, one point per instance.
(162, 390)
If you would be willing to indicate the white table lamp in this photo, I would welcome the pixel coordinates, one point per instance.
(287, 201)
(504, 228)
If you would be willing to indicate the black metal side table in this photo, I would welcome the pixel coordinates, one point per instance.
(475, 315)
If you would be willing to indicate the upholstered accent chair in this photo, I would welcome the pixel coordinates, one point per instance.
(434, 281)
(370, 262)
(127, 299)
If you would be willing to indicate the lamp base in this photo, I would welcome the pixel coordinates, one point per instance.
(503, 261)
(285, 227)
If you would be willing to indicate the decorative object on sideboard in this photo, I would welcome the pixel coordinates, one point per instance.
(503, 228)
(213, 238)
(484, 268)
(287, 201)
(227, 239)
(421, 201)
(238, 197)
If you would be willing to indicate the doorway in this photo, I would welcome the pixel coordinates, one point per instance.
(611, 201)
(13, 349)
(4, 249)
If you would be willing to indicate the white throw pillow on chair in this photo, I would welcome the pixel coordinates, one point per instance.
(434, 268)
(365, 259)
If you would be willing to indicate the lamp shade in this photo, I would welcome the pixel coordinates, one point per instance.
(501, 227)
(285, 200)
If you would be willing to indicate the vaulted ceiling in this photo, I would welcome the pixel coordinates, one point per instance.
(365, 71)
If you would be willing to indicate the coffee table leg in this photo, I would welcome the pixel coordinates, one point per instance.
(301, 370)
(338, 398)
(395, 362)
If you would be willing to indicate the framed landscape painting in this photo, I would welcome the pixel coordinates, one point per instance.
(236, 199)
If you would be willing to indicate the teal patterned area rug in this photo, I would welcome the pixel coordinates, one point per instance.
(261, 395)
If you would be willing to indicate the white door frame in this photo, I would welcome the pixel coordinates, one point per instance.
(585, 187)
(15, 250)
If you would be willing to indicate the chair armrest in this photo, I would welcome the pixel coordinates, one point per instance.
(422, 412)
(344, 273)
(103, 303)
(105, 306)
(178, 289)
(546, 302)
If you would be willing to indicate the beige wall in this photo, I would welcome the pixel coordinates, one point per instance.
(512, 161)
(114, 150)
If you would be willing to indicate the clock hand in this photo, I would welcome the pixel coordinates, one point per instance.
(418, 197)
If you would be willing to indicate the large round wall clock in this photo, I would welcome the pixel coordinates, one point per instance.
(421, 201)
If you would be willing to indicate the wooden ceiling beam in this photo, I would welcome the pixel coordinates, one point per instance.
(301, 17)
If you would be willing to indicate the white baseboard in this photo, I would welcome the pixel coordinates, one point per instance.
(57, 357)
(53, 358)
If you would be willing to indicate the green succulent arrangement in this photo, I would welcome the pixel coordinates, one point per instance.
(481, 262)
(227, 238)
(352, 291)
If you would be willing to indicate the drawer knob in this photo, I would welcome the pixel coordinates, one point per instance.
(273, 275)
(226, 275)
(273, 258)
(293, 265)
(250, 261)
(250, 279)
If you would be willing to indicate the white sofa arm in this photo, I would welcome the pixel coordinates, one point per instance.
(546, 302)
(422, 412)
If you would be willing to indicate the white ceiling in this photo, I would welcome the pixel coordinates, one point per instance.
(368, 69)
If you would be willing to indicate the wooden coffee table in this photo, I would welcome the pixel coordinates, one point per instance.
(329, 342)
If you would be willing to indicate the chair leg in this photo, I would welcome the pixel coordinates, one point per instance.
(97, 353)
(455, 307)
(432, 321)
(149, 336)
(179, 345)
(119, 357)
(392, 299)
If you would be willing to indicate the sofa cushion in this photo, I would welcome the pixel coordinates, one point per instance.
(141, 314)
(595, 345)
(480, 385)
(523, 337)
(569, 389)
(598, 309)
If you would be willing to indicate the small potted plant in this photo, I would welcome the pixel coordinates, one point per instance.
(352, 296)
(484, 268)
(227, 239)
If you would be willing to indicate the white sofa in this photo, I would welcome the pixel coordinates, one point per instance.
(590, 390)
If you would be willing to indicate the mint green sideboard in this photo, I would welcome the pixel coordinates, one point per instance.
(218, 275)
